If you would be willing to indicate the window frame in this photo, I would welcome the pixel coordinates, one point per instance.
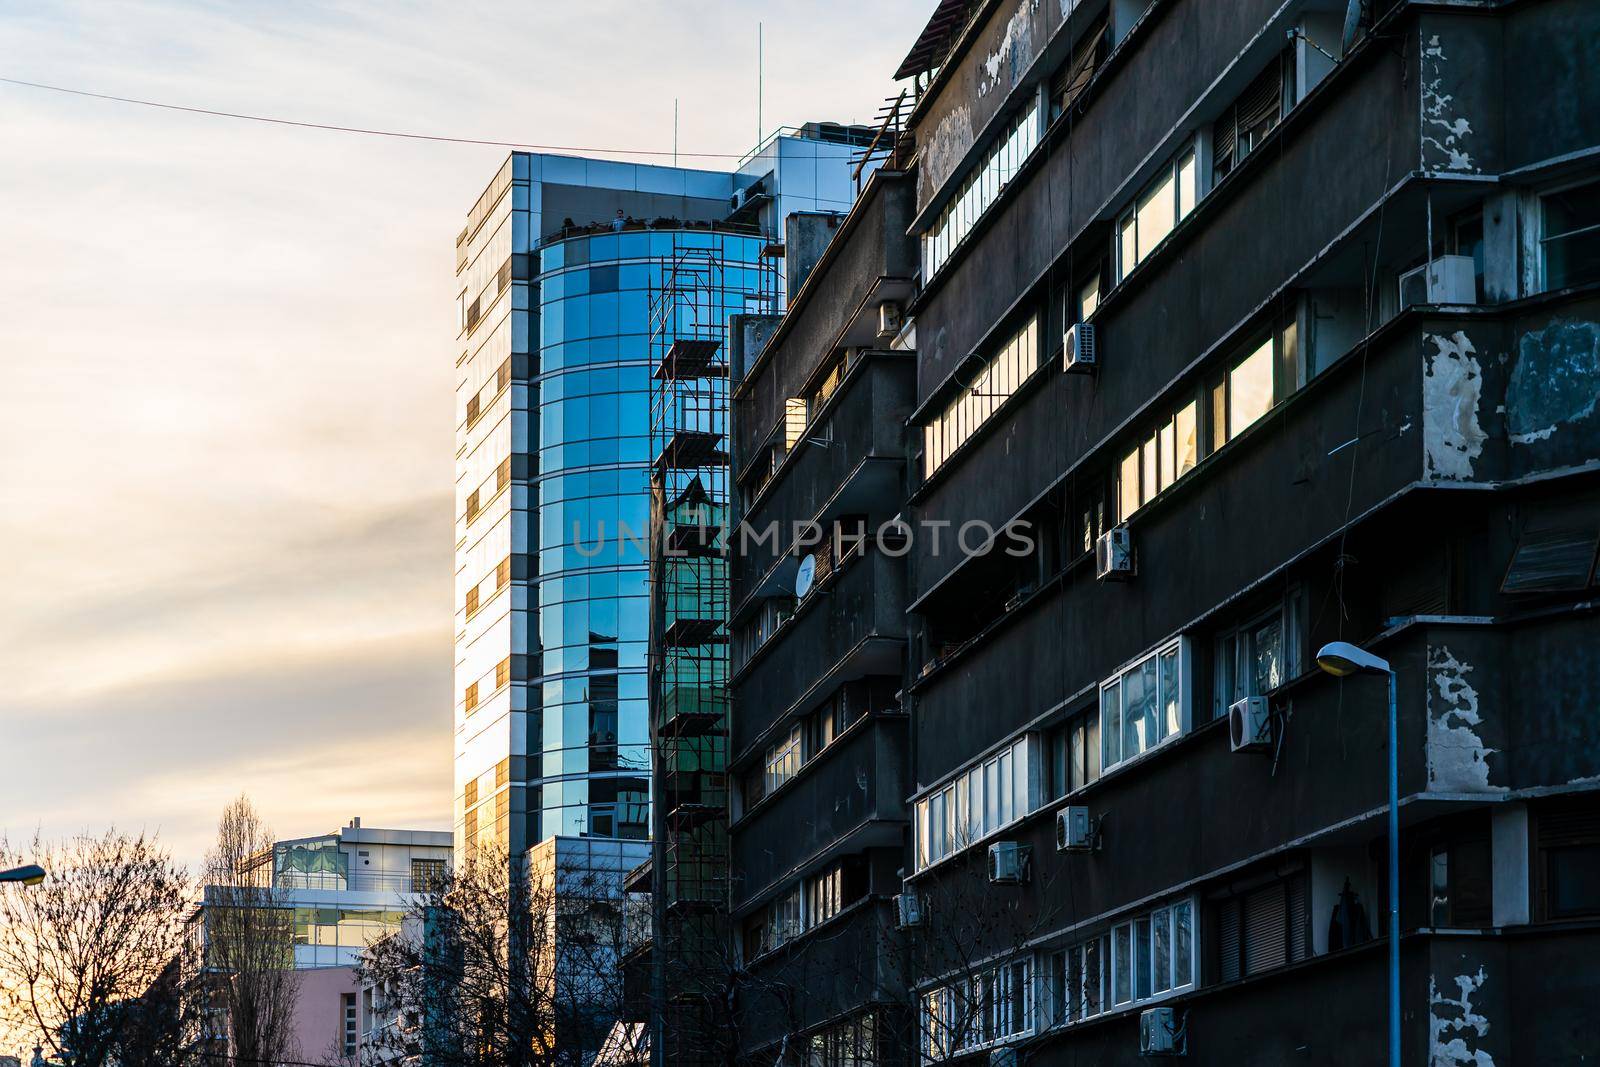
(1545, 237)
(1170, 172)
(1183, 648)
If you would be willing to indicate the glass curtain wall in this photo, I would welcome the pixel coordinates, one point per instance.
(589, 733)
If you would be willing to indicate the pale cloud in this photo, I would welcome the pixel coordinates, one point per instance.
(225, 368)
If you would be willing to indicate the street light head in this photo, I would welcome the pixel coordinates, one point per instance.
(32, 874)
(1341, 658)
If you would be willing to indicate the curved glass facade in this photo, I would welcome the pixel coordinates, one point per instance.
(589, 728)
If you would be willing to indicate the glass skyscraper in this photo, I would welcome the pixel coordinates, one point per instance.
(555, 274)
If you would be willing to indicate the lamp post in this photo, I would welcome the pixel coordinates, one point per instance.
(1341, 659)
(32, 874)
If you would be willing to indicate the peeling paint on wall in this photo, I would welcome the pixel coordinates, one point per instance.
(1555, 380)
(945, 147)
(1013, 53)
(1442, 129)
(1458, 760)
(1454, 1028)
(1452, 384)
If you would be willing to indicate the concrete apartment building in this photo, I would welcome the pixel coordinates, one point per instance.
(1250, 327)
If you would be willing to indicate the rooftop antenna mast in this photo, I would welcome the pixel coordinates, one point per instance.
(761, 78)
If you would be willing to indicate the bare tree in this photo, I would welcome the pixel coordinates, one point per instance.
(249, 939)
(91, 960)
(504, 965)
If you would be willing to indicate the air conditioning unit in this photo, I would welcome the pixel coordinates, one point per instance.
(1444, 280)
(1073, 832)
(1004, 1056)
(1008, 863)
(1250, 725)
(1079, 354)
(889, 321)
(1161, 1033)
(907, 910)
(1113, 555)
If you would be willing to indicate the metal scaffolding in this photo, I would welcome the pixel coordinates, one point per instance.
(689, 644)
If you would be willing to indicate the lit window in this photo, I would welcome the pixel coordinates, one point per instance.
(1163, 204)
(981, 801)
(1250, 388)
(992, 384)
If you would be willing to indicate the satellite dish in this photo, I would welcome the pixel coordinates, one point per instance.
(805, 577)
(1352, 23)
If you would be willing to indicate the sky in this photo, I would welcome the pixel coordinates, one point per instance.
(225, 353)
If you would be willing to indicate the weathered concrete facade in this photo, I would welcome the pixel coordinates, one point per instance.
(1417, 473)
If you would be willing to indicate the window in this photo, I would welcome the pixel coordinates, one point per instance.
(783, 760)
(472, 505)
(1260, 655)
(993, 383)
(1073, 78)
(1162, 205)
(1074, 752)
(502, 474)
(1568, 864)
(1571, 241)
(502, 377)
(1144, 704)
(989, 796)
(1248, 120)
(1146, 957)
(774, 925)
(426, 875)
(992, 1005)
(1170, 452)
(851, 1043)
(502, 673)
(1459, 892)
(473, 409)
(1268, 371)
(1262, 928)
(502, 573)
(352, 1028)
(1077, 981)
(472, 601)
(1466, 239)
(980, 189)
(471, 697)
(794, 422)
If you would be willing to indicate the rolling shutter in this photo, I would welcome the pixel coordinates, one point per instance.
(1265, 929)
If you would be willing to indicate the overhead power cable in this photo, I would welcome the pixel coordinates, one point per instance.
(366, 132)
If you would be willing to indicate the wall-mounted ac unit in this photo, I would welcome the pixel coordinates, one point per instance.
(1161, 1034)
(889, 321)
(1250, 725)
(1008, 863)
(1443, 280)
(1004, 1056)
(1073, 832)
(1113, 555)
(907, 909)
(1080, 354)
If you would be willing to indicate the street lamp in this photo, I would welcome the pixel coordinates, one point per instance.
(32, 874)
(1341, 659)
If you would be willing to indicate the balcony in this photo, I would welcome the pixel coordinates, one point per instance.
(851, 625)
(849, 461)
(846, 798)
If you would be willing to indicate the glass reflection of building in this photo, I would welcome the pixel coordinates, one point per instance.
(595, 294)
(552, 503)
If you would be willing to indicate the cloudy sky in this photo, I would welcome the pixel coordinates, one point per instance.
(225, 441)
